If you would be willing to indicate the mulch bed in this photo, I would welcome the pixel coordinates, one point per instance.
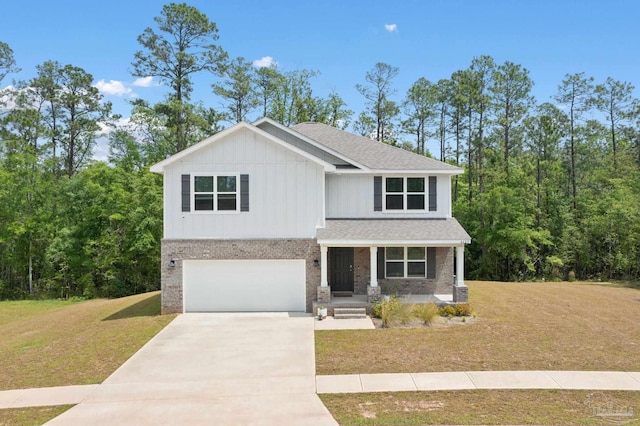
(438, 323)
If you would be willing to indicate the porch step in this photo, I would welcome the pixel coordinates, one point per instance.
(349, 313)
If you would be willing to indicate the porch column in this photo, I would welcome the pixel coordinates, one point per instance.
(373, 291)
(460, 266)
(374, 266)
(323, 266)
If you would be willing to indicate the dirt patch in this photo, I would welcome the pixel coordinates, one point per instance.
(439, 322)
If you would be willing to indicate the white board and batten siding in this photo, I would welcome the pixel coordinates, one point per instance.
(285, 191)
(351, 196)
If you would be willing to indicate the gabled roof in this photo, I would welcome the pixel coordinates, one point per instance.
(159, 167)
(309, 141)
(445, 231)
(374, 155)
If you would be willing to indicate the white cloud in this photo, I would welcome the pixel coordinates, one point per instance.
(144, 82)
(7, 99)
(113, 87)
(392, 28)
(121, 123)
(101, 150)
(265, 61)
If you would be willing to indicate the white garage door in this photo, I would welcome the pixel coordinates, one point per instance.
(244, 285)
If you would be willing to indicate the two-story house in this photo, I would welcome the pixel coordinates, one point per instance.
(262, 217)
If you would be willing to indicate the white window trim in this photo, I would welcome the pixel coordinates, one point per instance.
(405, 260)
(404, 195)
(215, 193)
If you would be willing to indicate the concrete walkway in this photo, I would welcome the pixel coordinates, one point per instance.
(355, 383)
(213, 369)
(258, 369)
(40, 397)
(399, 382)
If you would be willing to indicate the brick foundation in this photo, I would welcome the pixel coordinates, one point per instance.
(373, 293)
(207, 249)
(324, 294)
(460, 294)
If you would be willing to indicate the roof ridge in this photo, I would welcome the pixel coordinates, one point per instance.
(369, 140)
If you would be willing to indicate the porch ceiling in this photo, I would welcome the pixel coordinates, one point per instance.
(374, 232)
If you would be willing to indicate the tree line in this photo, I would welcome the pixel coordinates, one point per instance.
(550, 190)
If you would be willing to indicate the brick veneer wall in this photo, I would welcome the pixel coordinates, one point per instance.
(362, 270)
(442, 284)
(179, 250)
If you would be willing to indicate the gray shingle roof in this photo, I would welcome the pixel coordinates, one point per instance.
(390, 230)
(372, 154)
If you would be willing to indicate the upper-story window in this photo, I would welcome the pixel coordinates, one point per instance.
(405, 193)
(216, 193)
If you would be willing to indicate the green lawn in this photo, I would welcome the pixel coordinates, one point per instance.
(56, 343)
(520, 326)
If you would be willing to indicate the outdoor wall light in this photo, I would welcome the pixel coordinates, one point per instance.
(316, 262)
(172, 263)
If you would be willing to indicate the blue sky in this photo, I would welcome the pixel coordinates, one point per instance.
(341, 39)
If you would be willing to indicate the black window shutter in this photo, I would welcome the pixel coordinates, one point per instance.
(431, 263)
(433, 193)
(377, 194)
(381, 263)
(244, 193)
(186, 193)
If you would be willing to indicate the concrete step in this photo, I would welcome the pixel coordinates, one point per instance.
(349, 313)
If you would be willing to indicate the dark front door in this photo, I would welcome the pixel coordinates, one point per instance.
(341, 260)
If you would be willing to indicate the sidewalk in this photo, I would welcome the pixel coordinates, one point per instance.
(40, 397)
(394, 382)
(398, 382)
(389, 382)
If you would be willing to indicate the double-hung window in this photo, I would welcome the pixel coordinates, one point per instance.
(216, 193)
(405, 193)
(405, 262)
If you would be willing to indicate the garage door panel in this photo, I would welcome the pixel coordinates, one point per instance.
(244, 285)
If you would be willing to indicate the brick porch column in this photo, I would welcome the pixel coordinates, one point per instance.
(324, 291)
(460, 291)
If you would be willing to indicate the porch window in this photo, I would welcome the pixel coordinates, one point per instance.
(215, 193)
(405, 262)
(405, 193)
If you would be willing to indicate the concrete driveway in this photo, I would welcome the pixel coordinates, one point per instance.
(233, 369)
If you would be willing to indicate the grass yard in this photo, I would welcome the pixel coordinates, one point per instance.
(487, 407)
(520, 326)
(32, 416)
(57, 343)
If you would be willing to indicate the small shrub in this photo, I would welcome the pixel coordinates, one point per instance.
(377, 308)
(447, 311)
(463, 310)
(427, 312)
(393, 312)
(464, 319)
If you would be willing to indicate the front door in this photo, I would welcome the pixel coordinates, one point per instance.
(341, 261)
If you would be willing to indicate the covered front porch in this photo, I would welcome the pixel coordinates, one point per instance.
(362, 260)
(361, 301)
